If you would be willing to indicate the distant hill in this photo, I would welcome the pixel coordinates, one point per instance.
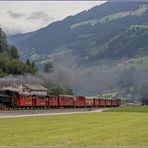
(110, 31)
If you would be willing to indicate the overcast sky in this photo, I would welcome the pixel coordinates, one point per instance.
(20, 16)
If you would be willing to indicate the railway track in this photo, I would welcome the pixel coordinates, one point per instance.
(28, 113)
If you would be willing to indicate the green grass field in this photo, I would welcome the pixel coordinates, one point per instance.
(142, 109)
(90, 129)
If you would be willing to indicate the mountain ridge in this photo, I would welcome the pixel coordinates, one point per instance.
(94, 40)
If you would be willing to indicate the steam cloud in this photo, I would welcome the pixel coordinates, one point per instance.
(83, 81)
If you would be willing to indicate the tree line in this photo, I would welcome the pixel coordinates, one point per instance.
(10, 62)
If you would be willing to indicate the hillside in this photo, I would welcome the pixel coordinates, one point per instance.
(109, 31)
(104, 49)
(10, 64)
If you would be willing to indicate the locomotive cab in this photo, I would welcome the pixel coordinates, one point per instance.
(8, 98)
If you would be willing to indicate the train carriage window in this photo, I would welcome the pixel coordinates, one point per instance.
(42, 97)
(39, 97)
(75, 99)
(52, 99)
(33, 97)
(46, 98)
(81, 99)
(89, 100)
(65, 98)
(29, 97)
(70, 99)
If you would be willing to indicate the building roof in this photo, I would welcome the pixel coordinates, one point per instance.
(35, 87)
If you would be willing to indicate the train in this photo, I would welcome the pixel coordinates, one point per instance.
(15, 100)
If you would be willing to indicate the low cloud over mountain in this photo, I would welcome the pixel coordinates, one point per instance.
(14, 14)
(36, 15)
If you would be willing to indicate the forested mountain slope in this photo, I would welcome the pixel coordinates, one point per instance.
(10, 64)
(110, 31)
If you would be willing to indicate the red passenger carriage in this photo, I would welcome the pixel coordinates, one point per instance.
(97, 102)
(24, 100)
(118, 102)
(79, 101)
(102, 102)
(89, 101)
(40, 101)
(108, 102)
(2, 107)
(66, 100)
(114, 102)
(52, 101)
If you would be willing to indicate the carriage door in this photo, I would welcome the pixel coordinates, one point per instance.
(33, 100)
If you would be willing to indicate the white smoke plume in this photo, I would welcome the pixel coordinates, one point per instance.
(83, 81)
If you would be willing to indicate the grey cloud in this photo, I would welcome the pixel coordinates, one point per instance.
(15, 14)
(40, 15)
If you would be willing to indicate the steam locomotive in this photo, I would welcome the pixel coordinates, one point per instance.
(14, 100)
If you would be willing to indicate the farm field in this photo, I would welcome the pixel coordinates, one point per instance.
(90, 129)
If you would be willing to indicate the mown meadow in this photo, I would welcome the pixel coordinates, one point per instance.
(118, 128)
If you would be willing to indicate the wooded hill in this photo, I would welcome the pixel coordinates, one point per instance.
(9, 59)
(109, 31)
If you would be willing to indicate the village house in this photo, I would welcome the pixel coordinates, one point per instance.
(34, 89)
